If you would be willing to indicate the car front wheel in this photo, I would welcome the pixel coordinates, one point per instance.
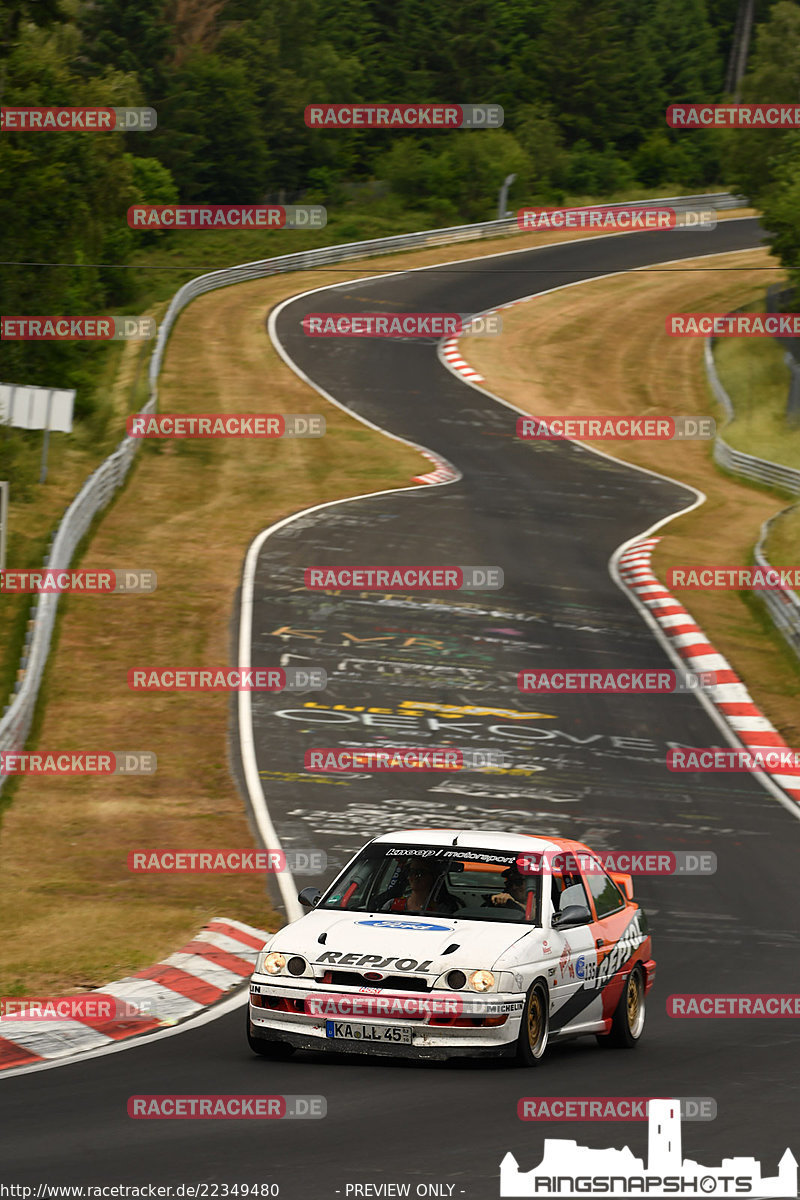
(535, 1026)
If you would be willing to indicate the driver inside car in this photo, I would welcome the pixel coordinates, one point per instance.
(427, 891)
(515, 893)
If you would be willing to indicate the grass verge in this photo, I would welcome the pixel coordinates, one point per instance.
(72, 914)
(601, 348)
(754, 375)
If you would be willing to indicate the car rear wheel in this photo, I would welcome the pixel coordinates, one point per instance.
(627, 1025)
(535, 1026)
(264, 1048)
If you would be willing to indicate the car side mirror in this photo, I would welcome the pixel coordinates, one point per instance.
(309, 897)
(573, 914)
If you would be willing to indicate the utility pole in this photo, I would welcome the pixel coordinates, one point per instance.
(503, 198)
(740, 47)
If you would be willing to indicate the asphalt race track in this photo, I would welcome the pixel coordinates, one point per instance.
(589, 767)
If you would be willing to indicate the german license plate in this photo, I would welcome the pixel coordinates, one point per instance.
(367, 1033)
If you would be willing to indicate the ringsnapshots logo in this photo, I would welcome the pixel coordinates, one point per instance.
(608, 1108)
(733, 116)
(225, 425)
(78, 583)
(716, 324)
(403, 578)
(614, 218)
(567, 1169)
(161, 861)
(406, 758)
(737, 578)
(84, 120)
(616, 428)
(239, 679)
(77, 329)
(219, 1107)
(383, 115)
(617, 682)
(78, 762)
(227, 216)
(401, 325)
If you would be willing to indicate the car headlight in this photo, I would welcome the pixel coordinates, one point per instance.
(481, 981)
(273, 963)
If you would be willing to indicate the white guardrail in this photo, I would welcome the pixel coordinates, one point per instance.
(98, 489)
(782, 603)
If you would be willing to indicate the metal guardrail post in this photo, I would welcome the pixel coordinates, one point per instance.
(793, 401)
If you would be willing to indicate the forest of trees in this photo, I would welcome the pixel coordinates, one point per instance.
(584, 86)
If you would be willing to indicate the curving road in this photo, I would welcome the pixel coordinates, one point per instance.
(551, 516)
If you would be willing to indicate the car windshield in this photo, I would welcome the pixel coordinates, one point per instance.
(444, 881)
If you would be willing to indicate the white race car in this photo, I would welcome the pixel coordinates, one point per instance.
(435, 943)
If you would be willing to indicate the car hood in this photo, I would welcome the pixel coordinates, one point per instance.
(404, 939)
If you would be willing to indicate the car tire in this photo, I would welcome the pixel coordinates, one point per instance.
(535, 1027)
(265, 1049)
(627, 1025)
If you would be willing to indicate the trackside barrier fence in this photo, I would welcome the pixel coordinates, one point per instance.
(782, 604)
(98, 489)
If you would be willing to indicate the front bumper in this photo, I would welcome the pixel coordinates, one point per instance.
(305, 1031)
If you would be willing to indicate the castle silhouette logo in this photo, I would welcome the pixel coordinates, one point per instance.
(568, 1169)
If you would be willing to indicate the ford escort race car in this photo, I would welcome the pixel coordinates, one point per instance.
(435, 943)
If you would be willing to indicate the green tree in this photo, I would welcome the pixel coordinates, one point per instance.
(781, 208)
(774, 76)
(209, 134)
(63, 198)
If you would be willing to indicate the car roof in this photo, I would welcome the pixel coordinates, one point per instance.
(481, 839)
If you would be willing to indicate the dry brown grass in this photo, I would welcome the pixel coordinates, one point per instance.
(601, 348)
(72, 914)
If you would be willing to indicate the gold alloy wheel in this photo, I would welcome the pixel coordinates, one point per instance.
(535, 1020)
(634, 1003)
